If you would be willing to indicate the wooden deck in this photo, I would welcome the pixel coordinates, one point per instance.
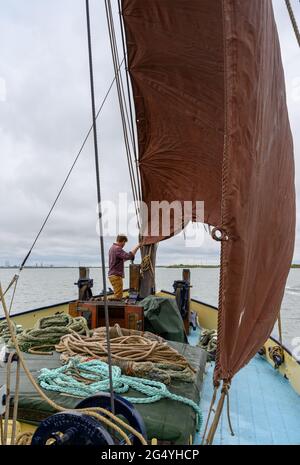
(264, 408)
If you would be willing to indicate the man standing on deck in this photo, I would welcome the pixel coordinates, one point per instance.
(117, 257)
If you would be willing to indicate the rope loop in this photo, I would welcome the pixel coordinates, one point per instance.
(225, 387)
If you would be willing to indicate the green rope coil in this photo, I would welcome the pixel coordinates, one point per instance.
(5, 332)
(48, 331)
(84, 379)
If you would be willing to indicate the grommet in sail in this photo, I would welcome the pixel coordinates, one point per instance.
(218, 234)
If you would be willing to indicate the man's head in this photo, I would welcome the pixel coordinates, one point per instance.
(121, 240)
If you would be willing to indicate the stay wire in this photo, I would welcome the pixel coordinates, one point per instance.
(112, 403)
(120, 76)
(293, 20)
(70, 171)
(135, 174)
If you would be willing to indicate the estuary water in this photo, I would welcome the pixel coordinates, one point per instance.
(45, 286)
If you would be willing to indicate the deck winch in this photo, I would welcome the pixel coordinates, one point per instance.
(71, 428)
(123, 408)
(80, 428)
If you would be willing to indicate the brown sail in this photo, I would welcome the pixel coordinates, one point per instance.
(212, 126)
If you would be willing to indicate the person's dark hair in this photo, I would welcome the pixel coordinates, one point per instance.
(122, 238)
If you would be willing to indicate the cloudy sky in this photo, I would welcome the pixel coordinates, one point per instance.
(44, 116)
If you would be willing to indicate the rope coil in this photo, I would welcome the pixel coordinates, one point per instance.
(131, 348)
(48, 331)
(82, 379)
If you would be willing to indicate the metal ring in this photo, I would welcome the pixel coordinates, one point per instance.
(223, 236)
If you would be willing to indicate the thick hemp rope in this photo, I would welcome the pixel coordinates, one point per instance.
(163, 372)
(47, 332)
(82, 379)
(130, 348)
(208, 342)
(5, 333)
(94, 412)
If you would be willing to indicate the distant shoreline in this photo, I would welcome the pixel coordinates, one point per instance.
(87, 266)
(191, 266)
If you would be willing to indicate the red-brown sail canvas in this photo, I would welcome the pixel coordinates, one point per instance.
(212, 126)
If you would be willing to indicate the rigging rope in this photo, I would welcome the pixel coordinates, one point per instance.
(114, 50)
(15, 278)
(8, 397)
(214, 425)
(129, 99)
(280, 328)
(293, 20)
(146, 264)
(120, 86)
(98, 184)
(16, 403)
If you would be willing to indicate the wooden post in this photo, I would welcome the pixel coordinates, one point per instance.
(186, 276)
(134, 277)
(84, 273)
(84, 293)
(148, 279)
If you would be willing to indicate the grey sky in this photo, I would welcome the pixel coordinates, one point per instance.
(44, 115)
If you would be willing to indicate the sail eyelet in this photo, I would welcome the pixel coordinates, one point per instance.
(218, 234)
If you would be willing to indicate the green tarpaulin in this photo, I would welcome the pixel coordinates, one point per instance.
(163, 317)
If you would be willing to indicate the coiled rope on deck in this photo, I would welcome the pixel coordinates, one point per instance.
(165, 370)
(5, 332)
(132, 348)
(82, 379)
(48, 331)
(208, 342)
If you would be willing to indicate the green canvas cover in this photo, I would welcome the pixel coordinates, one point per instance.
(167, 420)
(163, 317)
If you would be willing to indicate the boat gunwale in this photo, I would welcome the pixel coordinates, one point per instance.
(216, 309)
